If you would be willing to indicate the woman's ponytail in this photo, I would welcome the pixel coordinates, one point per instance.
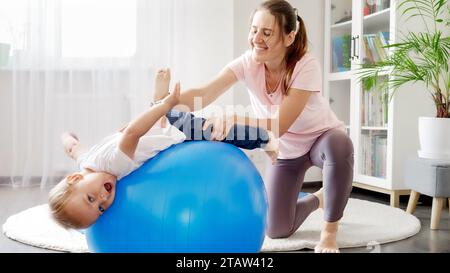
(296, 51)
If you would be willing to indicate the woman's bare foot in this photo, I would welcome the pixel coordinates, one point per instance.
(319, 195)
(162, 81)
(69, 141)
(328, 243)
(271, 147)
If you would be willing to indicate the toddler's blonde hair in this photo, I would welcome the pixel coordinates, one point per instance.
(57, 201)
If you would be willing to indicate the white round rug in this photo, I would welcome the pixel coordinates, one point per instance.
(364, 224)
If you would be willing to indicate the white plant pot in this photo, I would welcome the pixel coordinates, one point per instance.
(434, 137)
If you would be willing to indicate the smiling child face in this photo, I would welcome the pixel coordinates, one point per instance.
(90, 197)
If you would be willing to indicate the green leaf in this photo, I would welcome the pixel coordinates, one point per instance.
(417, 57)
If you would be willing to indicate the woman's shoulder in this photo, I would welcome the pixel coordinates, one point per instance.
(308, 59)
(307, 63)
(246, 57)
(245, 64)
(307, 73)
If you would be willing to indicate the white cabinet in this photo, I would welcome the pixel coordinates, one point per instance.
(384, 133)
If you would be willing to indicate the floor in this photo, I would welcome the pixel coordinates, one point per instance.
(15, 200)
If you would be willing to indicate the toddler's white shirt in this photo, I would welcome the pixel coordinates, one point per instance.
(107, 157)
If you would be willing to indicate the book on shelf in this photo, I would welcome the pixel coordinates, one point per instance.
(341, 53)
(373, 6)
(374, 109)
(374, 46)
(373, 154)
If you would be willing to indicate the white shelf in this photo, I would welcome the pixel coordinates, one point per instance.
(374, 19)
(376, 22)
(374, 128)
(388, 144)
(343, 26)
(371, 180)
(339, 76)
(377, 18)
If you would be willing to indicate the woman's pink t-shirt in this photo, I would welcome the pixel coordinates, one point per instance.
(315, 119)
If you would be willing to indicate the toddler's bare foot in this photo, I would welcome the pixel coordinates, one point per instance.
(327, 243)
(162, 81)
(69, 141)
(271, 148)
(319, 195)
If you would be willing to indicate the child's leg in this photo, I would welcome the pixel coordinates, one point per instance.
(162, 81)
(161, 88)
(190, 125)
(245, 137)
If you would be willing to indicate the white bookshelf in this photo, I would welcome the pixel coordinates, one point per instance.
(384, 133)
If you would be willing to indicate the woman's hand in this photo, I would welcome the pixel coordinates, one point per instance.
(220, 126)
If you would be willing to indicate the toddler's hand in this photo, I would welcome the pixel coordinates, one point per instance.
(173, 98)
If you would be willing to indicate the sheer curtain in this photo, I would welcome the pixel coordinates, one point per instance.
(87, 66)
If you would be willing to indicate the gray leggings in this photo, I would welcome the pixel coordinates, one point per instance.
(333, 152)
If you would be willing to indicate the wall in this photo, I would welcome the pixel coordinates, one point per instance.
(201, 49)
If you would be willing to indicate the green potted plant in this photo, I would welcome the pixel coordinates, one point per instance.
(420, 58)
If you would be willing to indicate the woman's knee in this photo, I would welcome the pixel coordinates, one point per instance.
(338, 147)
(278, 232)
(279, 224)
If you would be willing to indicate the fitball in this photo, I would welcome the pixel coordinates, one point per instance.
(195, 197)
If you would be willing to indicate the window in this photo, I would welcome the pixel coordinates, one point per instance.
(13, 22)
(98, 29)
(88, 29)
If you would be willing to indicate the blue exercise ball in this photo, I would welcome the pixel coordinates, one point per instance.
(195, 197)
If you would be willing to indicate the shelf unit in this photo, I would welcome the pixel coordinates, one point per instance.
(384, 133)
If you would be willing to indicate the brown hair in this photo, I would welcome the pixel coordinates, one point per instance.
(57, 201)
(286, 17)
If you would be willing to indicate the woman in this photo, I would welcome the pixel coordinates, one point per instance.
(284, 84)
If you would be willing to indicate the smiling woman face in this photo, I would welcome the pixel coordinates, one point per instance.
(265, 38)
(91, 196)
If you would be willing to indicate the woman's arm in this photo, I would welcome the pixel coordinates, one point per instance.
(290, 109)
(207, 93)
(140, 126)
